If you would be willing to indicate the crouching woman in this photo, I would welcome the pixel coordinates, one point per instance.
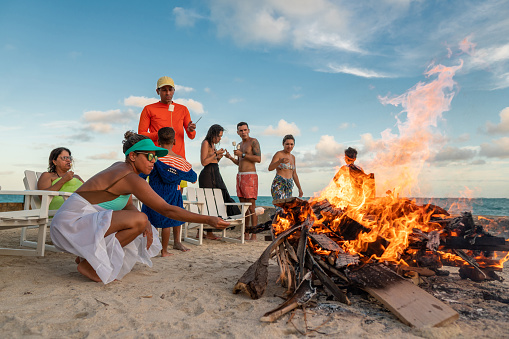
(100, 224)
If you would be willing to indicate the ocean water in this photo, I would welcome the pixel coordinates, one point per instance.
(478, 206)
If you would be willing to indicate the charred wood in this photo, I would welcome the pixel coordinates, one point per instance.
(485, 243)
(374, 276)
(326, 280)
(254, 280)
(324, 242)
(303, 295)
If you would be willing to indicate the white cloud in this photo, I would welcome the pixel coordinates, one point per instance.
(345, 125)
(314, 129)
(99, 127)
(324, 24)
(235, 100)
(497, 149)
(207, 90)
(360, 72)
(139, 101)
(193, 105)
(113, 116)
(185, 17)
(59, 124)
(105, 156)
(179, 88)
(327, 147)
(9, 128)
(502, 127)
(451, 154)
(283, 128)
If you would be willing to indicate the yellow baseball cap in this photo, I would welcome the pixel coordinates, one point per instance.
(165, 81)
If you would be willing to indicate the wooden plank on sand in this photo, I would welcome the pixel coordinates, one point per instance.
(412, 305)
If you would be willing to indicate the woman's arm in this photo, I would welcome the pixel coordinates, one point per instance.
(142, 190)
(276, 160)
(206, 156)
(229, 156)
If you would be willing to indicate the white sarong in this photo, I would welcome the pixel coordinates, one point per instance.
(79, 227)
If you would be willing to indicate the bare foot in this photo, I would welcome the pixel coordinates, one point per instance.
(211, 236)
(77, 260)
(253, 237)
(166, 254)
(88, 271)
(179, 246)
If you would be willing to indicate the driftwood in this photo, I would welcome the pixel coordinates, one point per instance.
(302, 296)
(254, 281)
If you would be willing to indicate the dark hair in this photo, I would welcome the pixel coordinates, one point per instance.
(166, 136)
(213, 132)
(242, 123)
(54, 156)
(131, 138)
(287, 137)
(351, 152)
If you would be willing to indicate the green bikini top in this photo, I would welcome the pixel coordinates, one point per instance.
(116, 204)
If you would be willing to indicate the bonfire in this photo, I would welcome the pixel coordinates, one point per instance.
(346, 238)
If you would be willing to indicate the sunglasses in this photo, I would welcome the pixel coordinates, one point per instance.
(66, 158)
(150, 156)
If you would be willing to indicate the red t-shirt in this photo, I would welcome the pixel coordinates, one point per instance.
(157, 115)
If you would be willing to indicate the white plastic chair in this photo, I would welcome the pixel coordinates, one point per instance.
(37, 217)
(34, 202)
(209, 201)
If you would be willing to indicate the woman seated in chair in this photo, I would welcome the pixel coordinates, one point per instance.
(59, 176)
(100, 224)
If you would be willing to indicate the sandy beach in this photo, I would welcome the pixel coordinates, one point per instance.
(189, 295)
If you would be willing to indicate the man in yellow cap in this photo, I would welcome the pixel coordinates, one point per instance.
(167, 113)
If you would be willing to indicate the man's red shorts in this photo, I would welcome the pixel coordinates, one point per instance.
(247, 185)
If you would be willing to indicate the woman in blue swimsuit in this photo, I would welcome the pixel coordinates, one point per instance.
(100, 224)
(286, 172)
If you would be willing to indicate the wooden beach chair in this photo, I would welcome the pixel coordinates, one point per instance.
(209, 201)
(37, 217)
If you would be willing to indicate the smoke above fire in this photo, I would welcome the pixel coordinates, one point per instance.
(400, 157)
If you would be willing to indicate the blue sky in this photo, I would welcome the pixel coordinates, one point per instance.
(420, 88)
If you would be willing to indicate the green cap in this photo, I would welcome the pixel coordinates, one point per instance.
(147, 145)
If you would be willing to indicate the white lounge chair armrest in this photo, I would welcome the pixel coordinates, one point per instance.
(192, 202)
(36, 192)
(237, 204)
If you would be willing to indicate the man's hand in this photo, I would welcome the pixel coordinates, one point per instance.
(148, 233)
(191, 127)
(238, 153)
(218, 223)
